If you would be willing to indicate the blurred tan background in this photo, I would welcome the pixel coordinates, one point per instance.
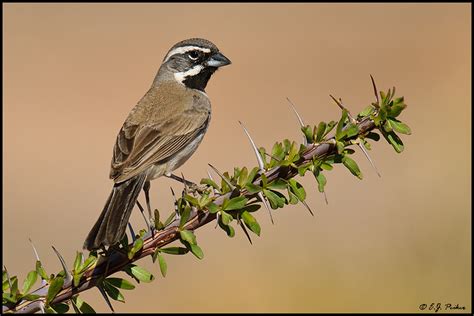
(72, 72)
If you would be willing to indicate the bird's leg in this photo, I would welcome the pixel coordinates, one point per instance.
(146, 188)
(193, 187)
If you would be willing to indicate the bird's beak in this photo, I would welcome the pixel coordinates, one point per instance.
(218, 60)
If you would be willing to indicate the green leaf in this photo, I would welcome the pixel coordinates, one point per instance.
(88, 263)
(292, 198)
(9, 298)
(275, 198)
(191, 199)
(320, 131)
(396, 108)
(210, 183)
(308, 133)
(252, 188)
(169, 219)
(293, 153)
(340, 125)
(326, 166)
(226, 218)
(78, 260)
(41, 271)
(236, 203)
(60, 308)
(252, 175)
(188, 236)
(243, 177)
(321, 179)
(54, 287)
(30, 280)
(251, 207)
(227, 228)
(137, 245)
(139, 273)
(162, 263)
(175, 250)
(387, 126)
(14, 288)
(297, 189)
(373, 136)
(158, 224)
(395, 141)
(120, 283)
(262, 151)
(185, 215)
(278, 184)
(30, 297)
(251, 222)
(340, 147)
(113, 292)
(329, 127)
(367, 111)
(352, 166)
(213, 208)
(82, 306)
(400, 127)
(351, 130)
(197, 251)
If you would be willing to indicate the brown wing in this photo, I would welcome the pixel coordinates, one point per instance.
(139, 146)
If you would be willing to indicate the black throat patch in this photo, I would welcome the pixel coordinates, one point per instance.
(199, 81)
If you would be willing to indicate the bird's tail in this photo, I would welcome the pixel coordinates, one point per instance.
(112, 223)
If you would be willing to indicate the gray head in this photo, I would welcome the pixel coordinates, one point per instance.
(192, 62)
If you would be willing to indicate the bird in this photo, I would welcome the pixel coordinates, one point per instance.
(160, 133)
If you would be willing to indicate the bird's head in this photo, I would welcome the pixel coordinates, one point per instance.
(192, 62)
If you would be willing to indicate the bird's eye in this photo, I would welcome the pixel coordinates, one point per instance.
(193, 55)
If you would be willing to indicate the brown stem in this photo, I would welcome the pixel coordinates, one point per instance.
(116, 260)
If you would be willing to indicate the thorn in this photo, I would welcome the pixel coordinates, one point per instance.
(177, 216)
(63, 263)
(210, 177)
(217, 219)
(184, 182)
(142, 210)
(34, 249)
(299, 119)
(339, 103)
(262, 198)
(132, 233)
(261, 165)
(375, 91)
(268, 155)
(43, 282)
(296, 112)
(369, 159)
(41, 307)
(325, 197)
(245, 231)
(106, 298)
(8, 276)
(231, 186)
(307, 207)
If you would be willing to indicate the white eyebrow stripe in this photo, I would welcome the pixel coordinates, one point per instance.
(181, 76)
(185, 49)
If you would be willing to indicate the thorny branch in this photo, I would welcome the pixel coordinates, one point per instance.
(118, 260)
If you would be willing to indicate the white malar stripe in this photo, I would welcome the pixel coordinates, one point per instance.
(185, 49)
(180, 76)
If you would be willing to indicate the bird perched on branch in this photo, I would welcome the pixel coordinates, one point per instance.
(161, 132)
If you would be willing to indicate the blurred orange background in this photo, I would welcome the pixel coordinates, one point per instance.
(72, 72)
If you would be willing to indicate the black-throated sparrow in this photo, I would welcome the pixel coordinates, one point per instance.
(161, 132)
